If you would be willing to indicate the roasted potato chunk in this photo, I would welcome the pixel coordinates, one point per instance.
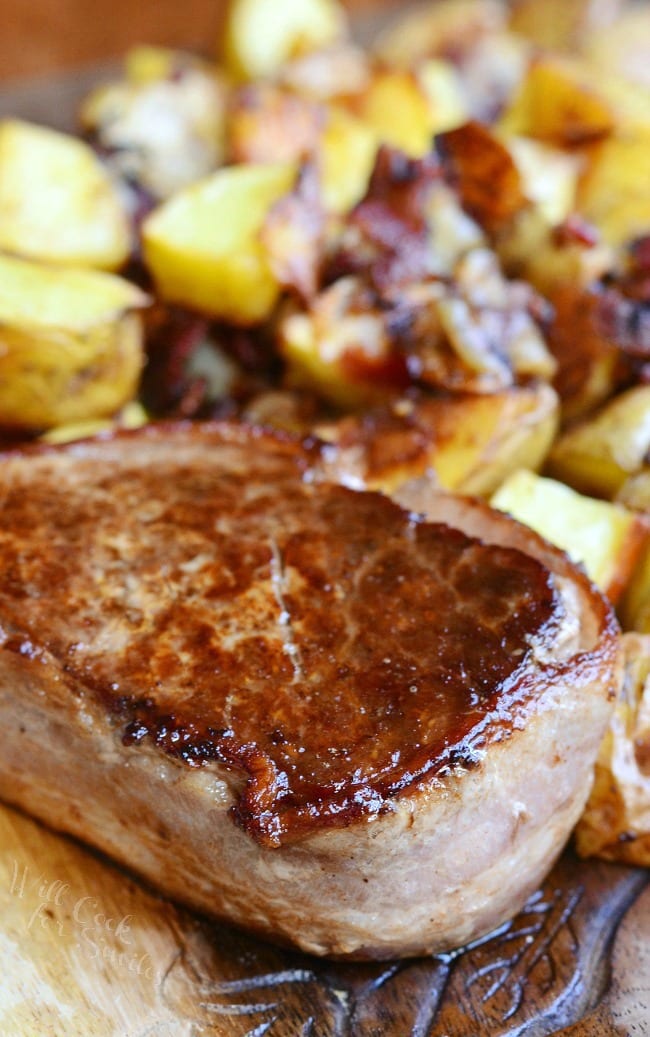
(261, 35)
(615, 824)
(565, 102)
(481, 440)
(57, 203)
(598, 455)
(70, 344)
(442, 87)
(203, 245)
(348, 149)
(340, 348)
(268, 123)
(634, 608)
(461, 443)
(558, 25)
(613, 192)
(397, 110)
(549, 177)
(405, 108)
(551, 258)
(607, 538)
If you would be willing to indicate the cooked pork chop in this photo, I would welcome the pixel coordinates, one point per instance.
(292, 705)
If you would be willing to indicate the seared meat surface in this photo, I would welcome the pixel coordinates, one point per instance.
(202, 601)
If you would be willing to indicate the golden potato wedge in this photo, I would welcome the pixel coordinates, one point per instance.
(70, 344)
(549, 176)
(615, 824)
(339, 347)
(133, 415)
(396, 108)
(269, 123)
(203, 245)
(443, 89)
(347, 149)
(465, 444)
(558, 25)
(606, 538)
(162, 124)
(481, 440)
(548, 258)
(613, 192)
(634, 607)
(57, 203)
(597, 456)
(261, 35)
(565, 102)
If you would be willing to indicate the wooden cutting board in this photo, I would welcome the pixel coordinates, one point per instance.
(86, 951)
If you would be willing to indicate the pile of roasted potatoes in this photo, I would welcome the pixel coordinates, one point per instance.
(432, 253)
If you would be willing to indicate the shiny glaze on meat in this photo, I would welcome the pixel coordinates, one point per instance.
(328, 646)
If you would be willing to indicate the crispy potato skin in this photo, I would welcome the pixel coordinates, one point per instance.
(598, 455)
(462, 443)
(616, 821)
(71, 344)
(608, 539)
(203, 245)
(57, 202)
(261, 36)
(62, 376)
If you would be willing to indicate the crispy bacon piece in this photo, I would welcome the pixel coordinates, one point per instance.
(387, 238)
(600, 335)
(484, 173)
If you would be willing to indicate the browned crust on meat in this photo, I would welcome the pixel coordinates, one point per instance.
(329, 647)
(448, 858)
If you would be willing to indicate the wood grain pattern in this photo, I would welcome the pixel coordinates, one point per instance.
(85, 951)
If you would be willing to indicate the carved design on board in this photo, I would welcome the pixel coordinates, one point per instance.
(539, 973)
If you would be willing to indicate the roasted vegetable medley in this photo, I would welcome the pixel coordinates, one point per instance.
(432, 253)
